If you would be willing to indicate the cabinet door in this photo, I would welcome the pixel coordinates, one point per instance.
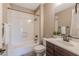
(62, 52)
(49, 49)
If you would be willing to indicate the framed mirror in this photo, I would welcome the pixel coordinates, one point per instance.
(68, 17)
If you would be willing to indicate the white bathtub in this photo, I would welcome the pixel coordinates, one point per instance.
(20, 49)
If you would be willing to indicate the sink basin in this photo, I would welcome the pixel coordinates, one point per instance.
(65, 43)
(75, 40)
(59, 41)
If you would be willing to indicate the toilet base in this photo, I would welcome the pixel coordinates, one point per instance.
(40, 54)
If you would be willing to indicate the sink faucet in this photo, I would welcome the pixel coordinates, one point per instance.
(66, 37)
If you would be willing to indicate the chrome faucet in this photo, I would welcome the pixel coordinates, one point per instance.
(66, 37)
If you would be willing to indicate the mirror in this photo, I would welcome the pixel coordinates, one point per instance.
(67, 17)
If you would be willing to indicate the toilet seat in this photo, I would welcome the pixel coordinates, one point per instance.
(39, 48)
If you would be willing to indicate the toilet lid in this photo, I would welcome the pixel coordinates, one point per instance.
(39, 47)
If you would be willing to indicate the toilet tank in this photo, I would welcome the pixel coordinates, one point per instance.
(44, 41)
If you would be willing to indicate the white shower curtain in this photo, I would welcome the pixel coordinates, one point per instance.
(21, 32)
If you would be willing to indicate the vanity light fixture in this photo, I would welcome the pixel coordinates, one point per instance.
(57, 4)
(29, 20)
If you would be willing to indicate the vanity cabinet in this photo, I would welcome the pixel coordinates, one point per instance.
(49, 49)
(53, 50)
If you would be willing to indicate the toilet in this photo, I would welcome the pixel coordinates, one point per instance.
(40, 49)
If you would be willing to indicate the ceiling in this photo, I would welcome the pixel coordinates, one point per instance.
(31, 6)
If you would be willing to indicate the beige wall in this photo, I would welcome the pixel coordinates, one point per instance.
(37, 24)
(42, 19)
(3, 19)
(39, 13)
(1, 13)
(48, 19)
(65, 17)
(5, 8)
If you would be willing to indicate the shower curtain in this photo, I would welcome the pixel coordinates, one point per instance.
(21, 33)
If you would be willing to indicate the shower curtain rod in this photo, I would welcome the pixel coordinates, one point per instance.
(21, 11)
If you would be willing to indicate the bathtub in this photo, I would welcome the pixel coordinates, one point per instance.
(20, 49)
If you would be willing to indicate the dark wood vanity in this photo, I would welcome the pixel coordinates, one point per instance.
(53, 50)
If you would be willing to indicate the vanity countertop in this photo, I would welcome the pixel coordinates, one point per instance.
(72, 46)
